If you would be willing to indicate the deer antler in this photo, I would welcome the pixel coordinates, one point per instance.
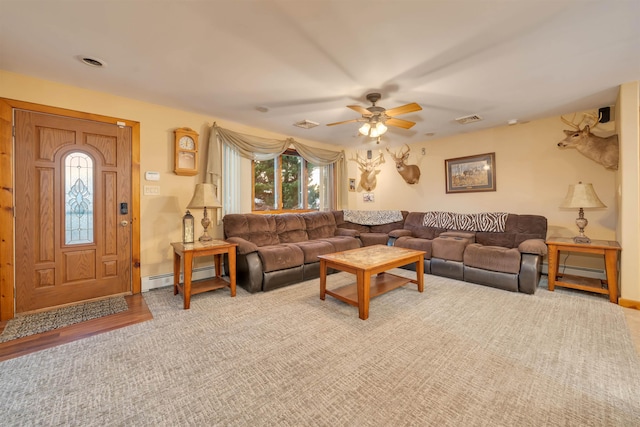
(395, 158)
(585, 116)
(596, 120)
(570, 123)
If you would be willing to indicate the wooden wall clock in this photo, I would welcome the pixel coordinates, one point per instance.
(186, 152)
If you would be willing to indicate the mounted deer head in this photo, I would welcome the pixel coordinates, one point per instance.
(602, 150)
(368, 170)
(410, 173)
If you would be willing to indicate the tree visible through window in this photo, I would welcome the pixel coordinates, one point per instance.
(286, 183)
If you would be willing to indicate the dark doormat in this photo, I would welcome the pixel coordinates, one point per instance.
(30, 324)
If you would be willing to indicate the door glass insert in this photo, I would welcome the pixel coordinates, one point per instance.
(79, 194)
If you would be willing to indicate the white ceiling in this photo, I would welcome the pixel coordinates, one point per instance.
(308, 59)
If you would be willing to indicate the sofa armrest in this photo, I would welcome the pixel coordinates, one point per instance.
(399, 233)
(530, 272)
(347, 232)
(533, 246)
(244, 246)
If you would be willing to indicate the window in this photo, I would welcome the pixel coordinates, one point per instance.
(78, 187)
(290, 183)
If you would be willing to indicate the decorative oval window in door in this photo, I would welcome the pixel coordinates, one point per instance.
(79, 194)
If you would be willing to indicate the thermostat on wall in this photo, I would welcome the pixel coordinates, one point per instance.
(152, 176)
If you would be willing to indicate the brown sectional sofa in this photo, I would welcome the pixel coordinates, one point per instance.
(279, 250)
(510, 259)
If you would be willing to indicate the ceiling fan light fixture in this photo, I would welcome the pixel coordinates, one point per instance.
(364, 129)
(381, 128)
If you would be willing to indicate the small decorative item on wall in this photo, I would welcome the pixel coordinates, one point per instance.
(352, 184)
(471, 173)
(368, 197)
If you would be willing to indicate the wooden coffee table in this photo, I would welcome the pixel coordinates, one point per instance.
(364, 263)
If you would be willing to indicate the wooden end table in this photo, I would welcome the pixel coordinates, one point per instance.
(608, 248)
(188, 251)
(365, 262)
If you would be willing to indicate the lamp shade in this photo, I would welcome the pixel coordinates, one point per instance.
(204, 196)
(582, 196)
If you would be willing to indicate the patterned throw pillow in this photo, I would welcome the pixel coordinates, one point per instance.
(486, 221)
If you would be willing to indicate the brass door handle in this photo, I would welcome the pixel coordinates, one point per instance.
(124, 223)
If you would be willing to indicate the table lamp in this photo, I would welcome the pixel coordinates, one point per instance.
(204, 196)
(581, 196)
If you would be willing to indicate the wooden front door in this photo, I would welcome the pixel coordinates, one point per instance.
(72, 210)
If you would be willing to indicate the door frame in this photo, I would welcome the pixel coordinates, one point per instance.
(7, 185)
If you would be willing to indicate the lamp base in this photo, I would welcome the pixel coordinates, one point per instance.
(581, 239)
(205, 238)
(206, 222)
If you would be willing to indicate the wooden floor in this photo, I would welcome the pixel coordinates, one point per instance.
(137, 312)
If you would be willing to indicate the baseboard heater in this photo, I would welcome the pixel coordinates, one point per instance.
(593, 273)
(162, 280)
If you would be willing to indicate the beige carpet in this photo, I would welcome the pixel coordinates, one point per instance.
(30, 324)
(459, 354)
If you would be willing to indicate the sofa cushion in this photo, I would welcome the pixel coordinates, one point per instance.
(312, 248)
(449, 248)
(415, 243)
(278, 257)
(385, 228)
(506, 240)
(291, 228)
(370, 239)
(469, 235)
(494, 258)
(320, 224)
(413, 222)
(259, 229)
(343, 243)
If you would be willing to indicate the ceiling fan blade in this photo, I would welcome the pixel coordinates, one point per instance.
(360, 110)
(405, 124)
(345, 121)
(403, 109)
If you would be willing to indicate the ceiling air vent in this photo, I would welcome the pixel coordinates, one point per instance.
(306, 124)
(468, 119)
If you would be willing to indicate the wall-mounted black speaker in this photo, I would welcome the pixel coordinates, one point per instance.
(605, 114)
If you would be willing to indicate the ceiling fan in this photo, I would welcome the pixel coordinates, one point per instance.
(376, 119)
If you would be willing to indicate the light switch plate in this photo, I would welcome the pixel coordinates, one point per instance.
(151, 190)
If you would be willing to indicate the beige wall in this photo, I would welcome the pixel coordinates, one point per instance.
(161, 215)
(532, 176)
(628, 230)
(532, 173)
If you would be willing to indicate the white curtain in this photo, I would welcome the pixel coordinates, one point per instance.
(258, 148)
(231, 189)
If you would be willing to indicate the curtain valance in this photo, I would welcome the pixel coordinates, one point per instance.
(259, 148)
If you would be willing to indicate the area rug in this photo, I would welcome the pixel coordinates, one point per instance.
(30, 324)
(458, 354)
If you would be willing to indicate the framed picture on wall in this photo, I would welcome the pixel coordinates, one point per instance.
(352, 184)
(368, 197)
(471, 173)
